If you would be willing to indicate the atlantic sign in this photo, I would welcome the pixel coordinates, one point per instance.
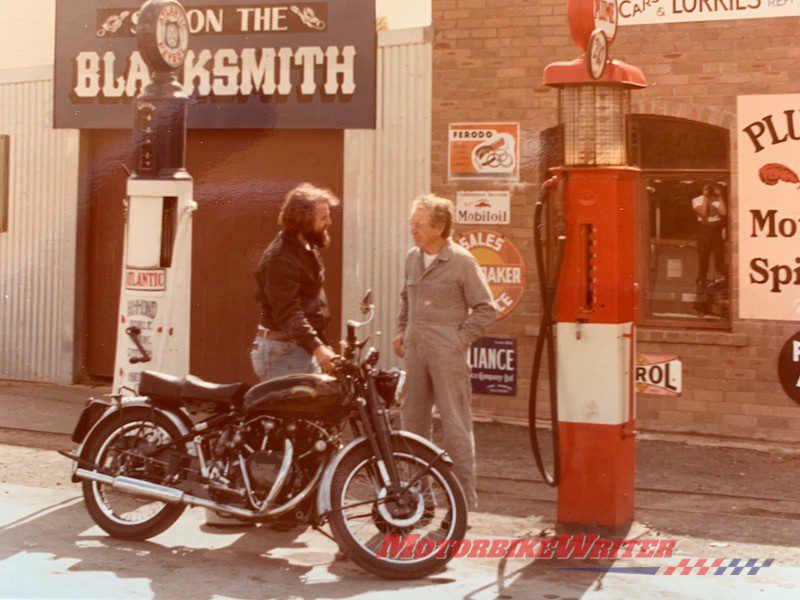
(269, 64)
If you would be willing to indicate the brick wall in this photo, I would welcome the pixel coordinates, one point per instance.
(488, 60)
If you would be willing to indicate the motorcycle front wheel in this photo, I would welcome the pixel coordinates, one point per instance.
(397, 539)
(121, 447)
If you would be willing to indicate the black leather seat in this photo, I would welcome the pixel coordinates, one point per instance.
(160, 386)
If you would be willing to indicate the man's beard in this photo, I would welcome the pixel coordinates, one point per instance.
(320, 239)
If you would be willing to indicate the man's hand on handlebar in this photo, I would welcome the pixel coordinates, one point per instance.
(326, 358)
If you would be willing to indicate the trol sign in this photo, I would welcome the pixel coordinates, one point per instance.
(284, 65)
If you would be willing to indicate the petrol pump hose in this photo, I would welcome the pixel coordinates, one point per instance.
(547, 288)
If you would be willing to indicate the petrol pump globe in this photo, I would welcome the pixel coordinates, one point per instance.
(593, 119)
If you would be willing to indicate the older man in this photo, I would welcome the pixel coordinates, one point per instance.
(445, 306)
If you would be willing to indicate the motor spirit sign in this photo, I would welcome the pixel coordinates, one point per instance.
(269, 64)
(769, 206)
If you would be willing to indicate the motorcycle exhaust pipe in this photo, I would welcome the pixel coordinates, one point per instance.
(163, 493)
(139, 487)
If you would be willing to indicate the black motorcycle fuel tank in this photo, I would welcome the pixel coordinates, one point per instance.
(307, 395)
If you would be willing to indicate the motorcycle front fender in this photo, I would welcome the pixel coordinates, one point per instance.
(181, 420)
(324, 492)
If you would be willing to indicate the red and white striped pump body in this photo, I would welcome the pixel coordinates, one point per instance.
(596, 298)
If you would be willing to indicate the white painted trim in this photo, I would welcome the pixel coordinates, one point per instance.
(21, 74)
(404, 37)
(594, 372)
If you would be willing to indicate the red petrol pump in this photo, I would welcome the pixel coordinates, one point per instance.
(590, 299)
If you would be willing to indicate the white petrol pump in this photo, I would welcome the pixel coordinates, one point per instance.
(153, 321)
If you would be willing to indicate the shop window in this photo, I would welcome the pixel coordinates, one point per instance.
(4, 162)
(675, 242)
(684, 231)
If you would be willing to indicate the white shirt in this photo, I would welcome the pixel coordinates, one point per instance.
(713, 209)
(428, 259)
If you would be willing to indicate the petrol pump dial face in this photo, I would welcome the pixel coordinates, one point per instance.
(598, 54)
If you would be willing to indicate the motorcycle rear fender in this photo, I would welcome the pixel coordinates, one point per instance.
(324, 490)
(179, 418)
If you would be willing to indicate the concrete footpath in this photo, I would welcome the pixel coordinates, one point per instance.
(722, 503)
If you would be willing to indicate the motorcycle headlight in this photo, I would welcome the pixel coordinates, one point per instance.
(391, 384)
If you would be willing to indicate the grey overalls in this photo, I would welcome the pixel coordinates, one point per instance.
(442, 307)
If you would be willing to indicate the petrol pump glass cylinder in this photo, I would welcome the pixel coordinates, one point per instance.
(593, 116)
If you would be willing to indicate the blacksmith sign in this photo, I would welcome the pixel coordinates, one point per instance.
(494, 366)
(250, 65)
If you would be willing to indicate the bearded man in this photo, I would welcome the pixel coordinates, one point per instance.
(290, 275)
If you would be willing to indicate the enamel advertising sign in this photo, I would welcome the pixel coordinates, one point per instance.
(483, 151)
(265, 64)
(493, 364)
(483, 208)
(501, 263)
(769, 206)
(646, 12)
(658, 375)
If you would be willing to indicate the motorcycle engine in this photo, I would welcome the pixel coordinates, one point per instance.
(263, 467)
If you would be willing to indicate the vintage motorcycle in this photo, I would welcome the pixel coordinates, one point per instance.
(275, 450)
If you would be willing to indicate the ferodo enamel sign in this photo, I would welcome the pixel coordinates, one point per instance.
(501, 263)
(483, 151)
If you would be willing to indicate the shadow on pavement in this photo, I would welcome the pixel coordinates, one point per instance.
(245, 568)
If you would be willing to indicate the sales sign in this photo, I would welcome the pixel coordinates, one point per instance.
(483, 208)
(483, 151)
(501, 263)
(646, 12)
(658, 375)
(768, 129)
(258, 64)
(493, 361)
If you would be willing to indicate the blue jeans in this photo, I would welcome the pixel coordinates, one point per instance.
(274, 359)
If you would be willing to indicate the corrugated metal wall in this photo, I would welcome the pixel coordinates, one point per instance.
(384, 170)
(37, 252)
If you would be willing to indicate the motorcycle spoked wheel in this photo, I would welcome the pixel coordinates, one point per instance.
(440, 521)
(117, 447)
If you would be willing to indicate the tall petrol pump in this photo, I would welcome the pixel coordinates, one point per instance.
(153, 325)
(590, 299)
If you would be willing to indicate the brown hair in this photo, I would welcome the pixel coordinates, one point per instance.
(440, 211)
(297, 210)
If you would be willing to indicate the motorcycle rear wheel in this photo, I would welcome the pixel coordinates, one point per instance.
(424, 537)
(118, 447)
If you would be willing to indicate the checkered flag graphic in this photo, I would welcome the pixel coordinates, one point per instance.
(717, 566)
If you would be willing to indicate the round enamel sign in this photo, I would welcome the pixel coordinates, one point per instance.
(501, 263)
(587, 16)
(163, 34)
